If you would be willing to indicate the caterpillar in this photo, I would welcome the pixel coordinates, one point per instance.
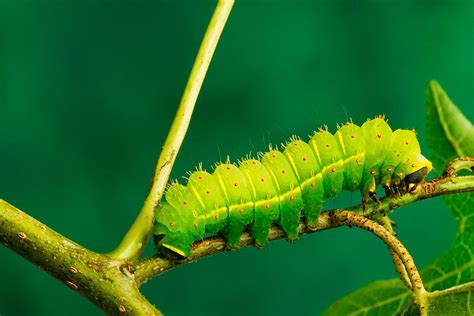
(282, 186)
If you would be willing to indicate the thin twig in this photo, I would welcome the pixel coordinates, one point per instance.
(134, 241)
(349, 218)
(386, 222)
(461, 288)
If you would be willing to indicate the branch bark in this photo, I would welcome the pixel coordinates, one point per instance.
(395, 246)
(97, 277)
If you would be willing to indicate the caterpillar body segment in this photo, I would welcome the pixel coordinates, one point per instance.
(308, 172)
(238, 200)
(208, 192)
(282, 186)
(289, 191)
(351, 142)
(331, 161)
(267, 204)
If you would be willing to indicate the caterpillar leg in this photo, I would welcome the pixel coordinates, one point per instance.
(396, 188)
(266, 213)
(390, 190)
(364, 203)
(290, 214)
(374, 197)
(239, 217)
(313, 197)
(260, 228)
(368, 191)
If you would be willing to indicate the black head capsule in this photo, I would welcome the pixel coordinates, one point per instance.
(414, 178)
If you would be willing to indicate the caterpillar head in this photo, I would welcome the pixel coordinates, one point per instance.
(412, 171)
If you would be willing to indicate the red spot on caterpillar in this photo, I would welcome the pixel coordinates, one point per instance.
(413, 165)
(254, 162)
(200, 177)
(208, 192)
(241, 210)
(236, 184)
(372, 171)
(267, 205)
(262, 179)
(228, 167)
(283, 171)
(379, 135)
(295, 143)
(216, 216)
(304, 158)
(327, 145)
(312, 184)
(274, 155)
(357, 161)
(389, 170)
(196, 225)
(406, 142)
(171, 224)
(185, 202)
(333, 170)
(334, 159)
(352, 136)
(292, 197)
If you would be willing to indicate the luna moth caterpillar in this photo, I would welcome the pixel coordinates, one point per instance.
(282, 186)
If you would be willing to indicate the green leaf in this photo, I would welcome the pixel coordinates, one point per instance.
(450, 135)
(378, 298)
(456, 300)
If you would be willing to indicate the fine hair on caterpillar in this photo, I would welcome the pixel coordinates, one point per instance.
(282, 186)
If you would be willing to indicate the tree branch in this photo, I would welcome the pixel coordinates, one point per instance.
(92, 275)
(397, 262)
(133, 243)
(395, 246)
(444, 185)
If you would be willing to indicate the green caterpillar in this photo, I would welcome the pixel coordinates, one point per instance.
(282, 186)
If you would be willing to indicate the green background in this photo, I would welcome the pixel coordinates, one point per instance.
(88, 90)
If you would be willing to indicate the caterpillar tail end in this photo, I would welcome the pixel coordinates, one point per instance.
(172, 246)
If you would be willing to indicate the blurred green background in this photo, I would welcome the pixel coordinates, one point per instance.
(88, 89)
